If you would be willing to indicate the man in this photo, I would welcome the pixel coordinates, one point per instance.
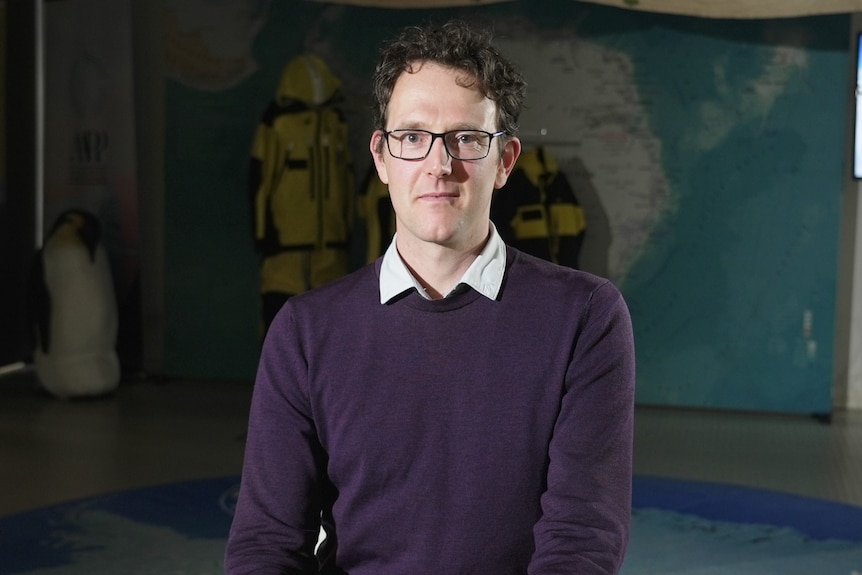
(458, 407)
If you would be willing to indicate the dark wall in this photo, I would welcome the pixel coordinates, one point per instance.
(18, 200)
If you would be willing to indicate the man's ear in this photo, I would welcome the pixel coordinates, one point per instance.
(507, 162)
(378, 147)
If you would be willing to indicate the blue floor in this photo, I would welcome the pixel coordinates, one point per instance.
(693, 528)
(679, 527)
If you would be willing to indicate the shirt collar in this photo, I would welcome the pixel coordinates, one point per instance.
(485, 274)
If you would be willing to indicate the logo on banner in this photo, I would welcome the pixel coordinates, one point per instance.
(90, 157)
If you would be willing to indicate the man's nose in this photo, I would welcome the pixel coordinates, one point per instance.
(441, 160)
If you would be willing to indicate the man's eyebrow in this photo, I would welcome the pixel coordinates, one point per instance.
(410, 125)
(416, 125)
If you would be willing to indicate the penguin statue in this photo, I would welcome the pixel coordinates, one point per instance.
(74, 310)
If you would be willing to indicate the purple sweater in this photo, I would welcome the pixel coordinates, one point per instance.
(454, 436)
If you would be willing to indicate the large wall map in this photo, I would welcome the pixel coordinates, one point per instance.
(708, 156)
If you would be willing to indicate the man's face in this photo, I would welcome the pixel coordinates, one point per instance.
(439, 200)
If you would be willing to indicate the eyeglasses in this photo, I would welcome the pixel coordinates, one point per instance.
(460, 144)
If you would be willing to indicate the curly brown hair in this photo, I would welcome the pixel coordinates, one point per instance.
(457, 45)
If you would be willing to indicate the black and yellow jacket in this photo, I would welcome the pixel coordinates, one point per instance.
(537, 211)
(301, 180)
(375, 210)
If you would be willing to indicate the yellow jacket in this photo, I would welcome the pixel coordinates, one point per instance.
(301, 178)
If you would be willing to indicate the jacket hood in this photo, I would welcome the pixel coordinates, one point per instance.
(307, 79)
(538, 165)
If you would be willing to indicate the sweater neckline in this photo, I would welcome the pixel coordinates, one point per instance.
(464, 295)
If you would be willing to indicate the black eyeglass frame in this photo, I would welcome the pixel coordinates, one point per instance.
(442, 136)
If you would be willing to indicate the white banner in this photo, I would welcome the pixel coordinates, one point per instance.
(89, 122)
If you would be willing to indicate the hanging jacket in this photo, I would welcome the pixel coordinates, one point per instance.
(537, 211)
(301, 181)
(375, 210)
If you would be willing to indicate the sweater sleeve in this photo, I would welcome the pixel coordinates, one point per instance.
(277, 518)
(586, 508)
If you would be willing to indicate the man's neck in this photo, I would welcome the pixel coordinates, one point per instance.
(437, 267)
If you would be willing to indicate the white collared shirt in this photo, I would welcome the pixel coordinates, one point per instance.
(485, 274)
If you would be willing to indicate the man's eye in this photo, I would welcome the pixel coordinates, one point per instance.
(413, 137)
